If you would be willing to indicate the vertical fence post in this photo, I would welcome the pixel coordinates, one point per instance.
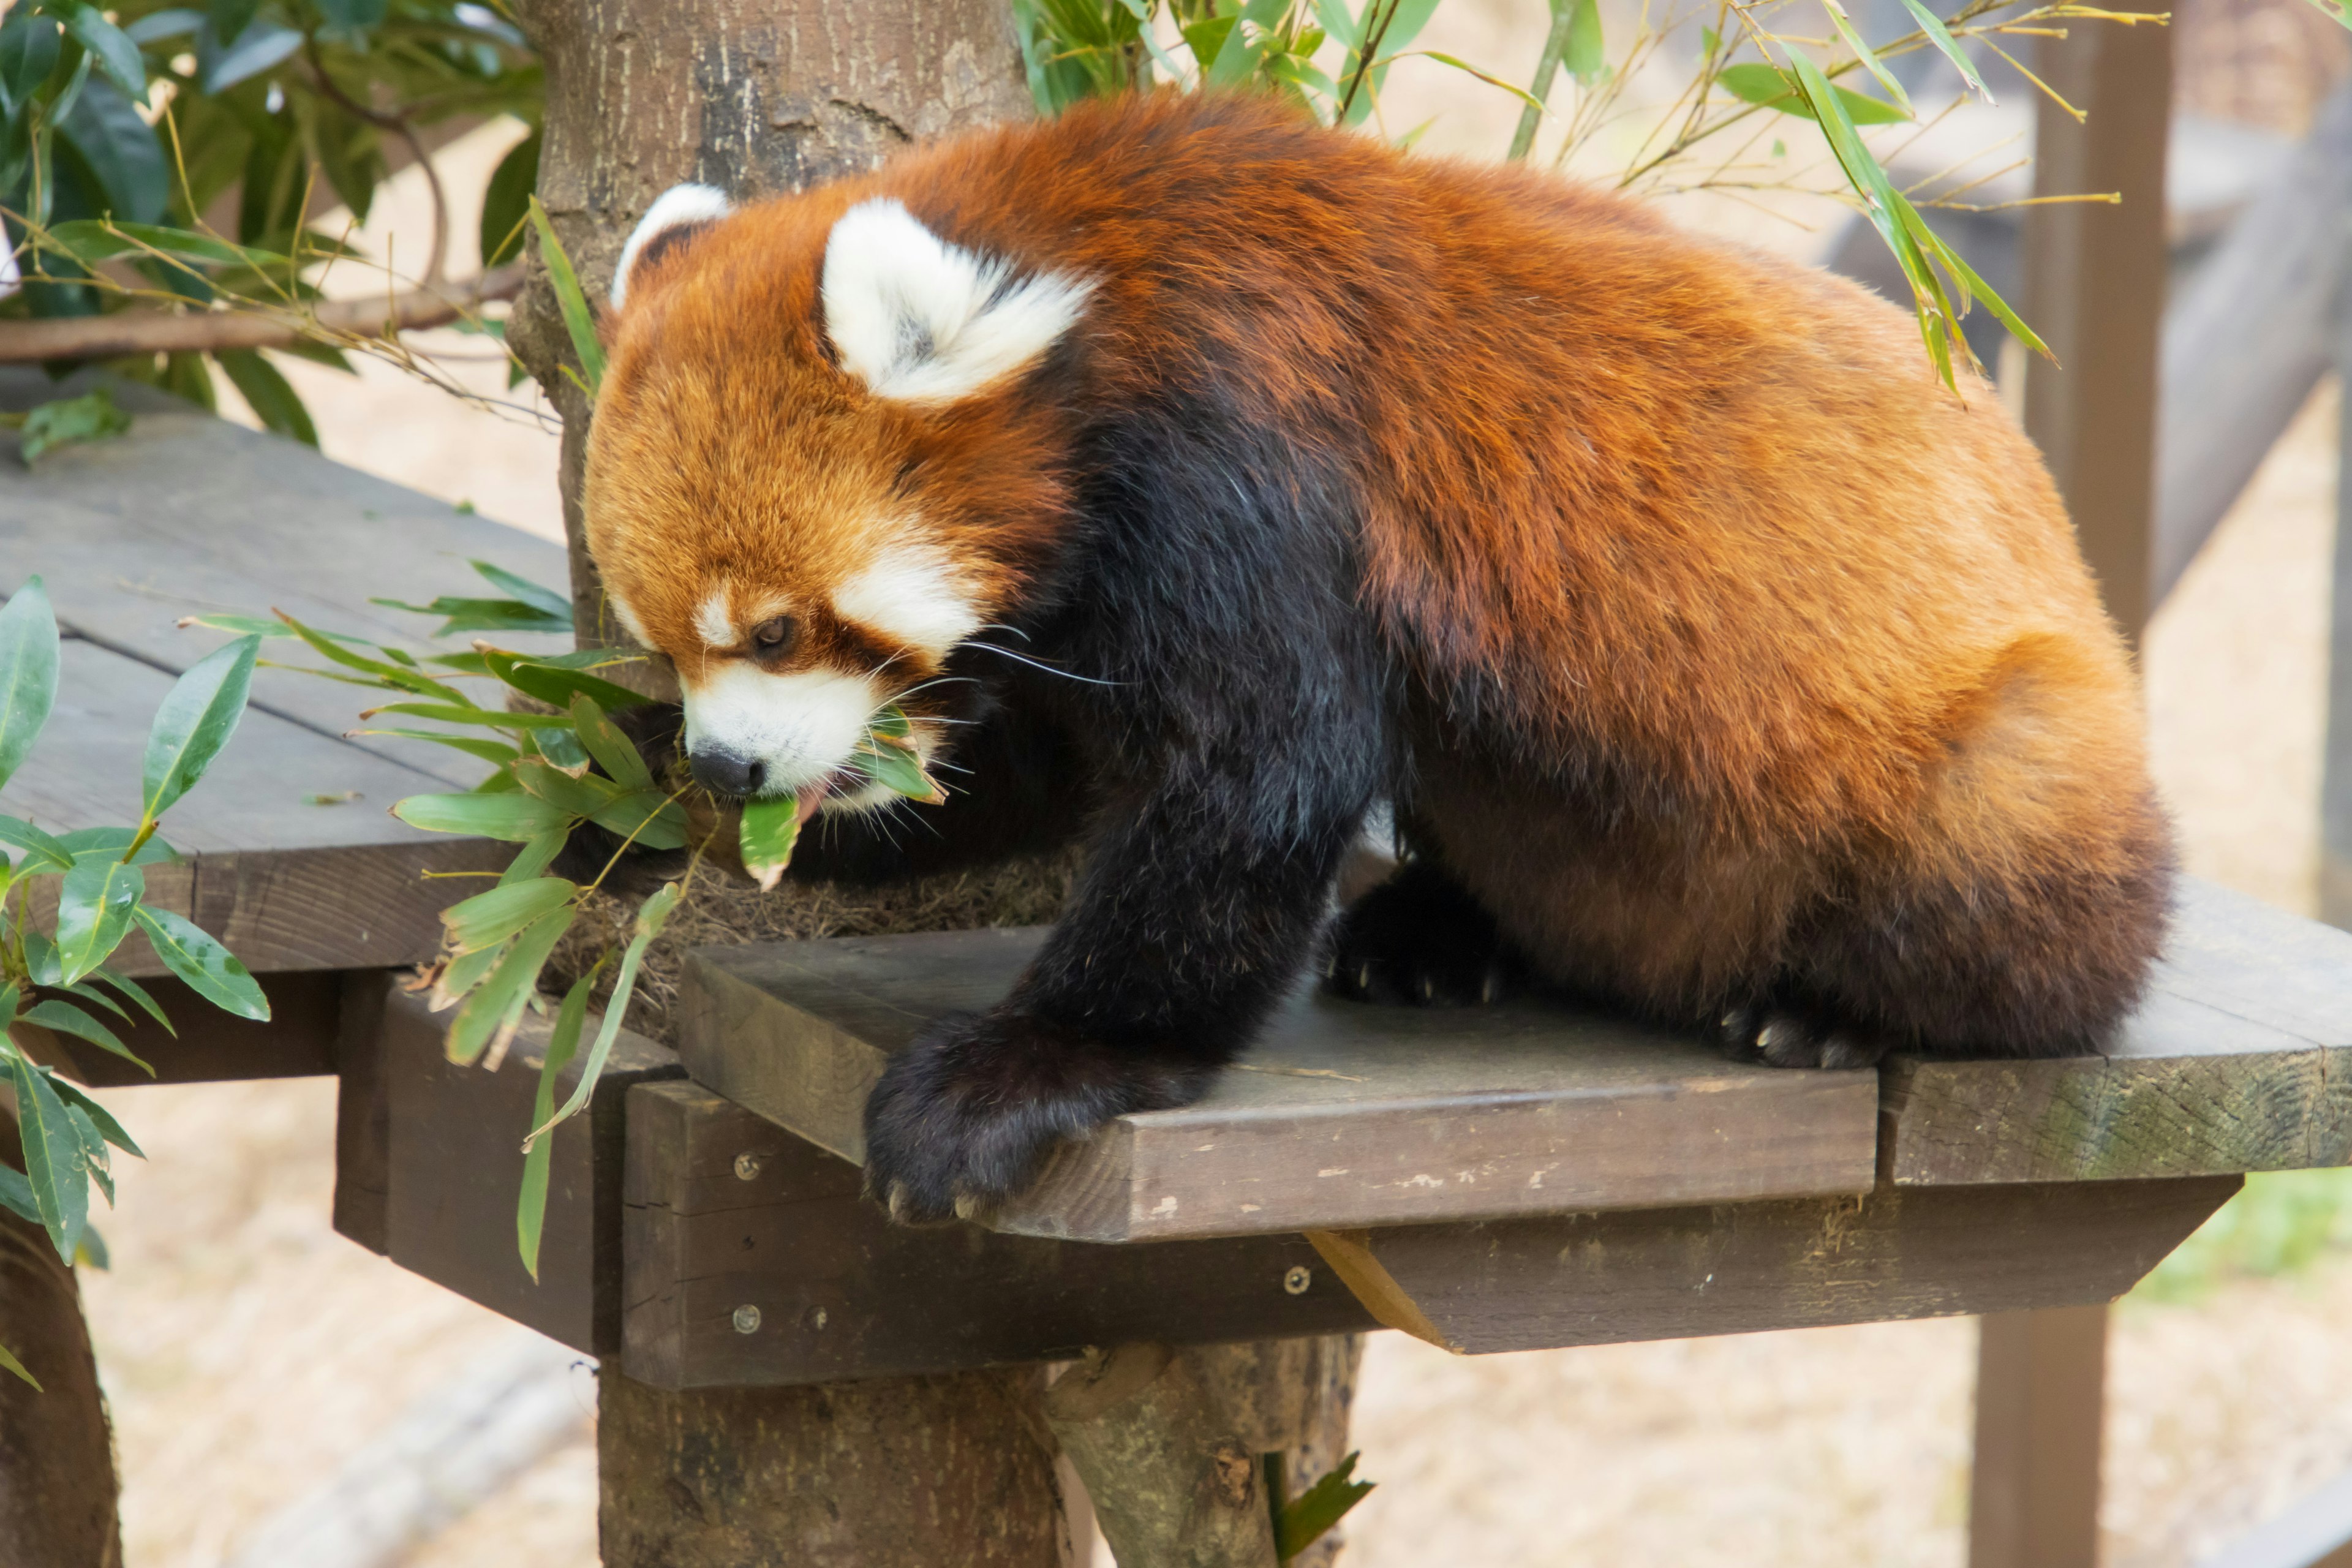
(2336, 774)
(2095, 281)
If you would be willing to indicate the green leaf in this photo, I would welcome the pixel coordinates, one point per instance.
(90, 843)
(92, 1249)
(1305, 1519)
(116, 53)
(472, 745)
(462, 712)
(547, 601)
(578, 320)
(68, 1019)
(93, 416)
(583, 795)
(562, 748)
(485, 919)
(491, 1014)
(483, 616)
(28, 53)
(556, 686)
(1585, 58)
(563, 1045)
(1768, 87)
(535, 857)
(899, 769)
(513, 817)
(53, 1156)
(405, 677)
(1941, 37)
(74, 1094)
(44, 853)
(461, 974)
(16, 1195)
(771, 829)
(28, 679)
(91, 994)
(614, 752)
(10, 1364)
(94, 911)
(506, 203)
(646, 818)
(197, 957)
(651, 915)
(93, 240)
(1863, 52)
(269, 394)
(138, 993)
(41, 960)
(198, 716)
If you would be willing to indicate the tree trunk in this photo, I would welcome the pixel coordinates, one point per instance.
(756, 100)
(57, 1454)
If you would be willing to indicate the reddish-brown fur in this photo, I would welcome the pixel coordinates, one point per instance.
(1735, 653)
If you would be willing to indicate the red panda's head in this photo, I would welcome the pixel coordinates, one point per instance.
(805, 481)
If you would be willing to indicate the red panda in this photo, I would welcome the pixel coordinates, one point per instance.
(1201, 479)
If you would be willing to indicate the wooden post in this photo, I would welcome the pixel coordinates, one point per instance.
(2095, 284)
(2335, 778)
(57, 1455)
(2033, 1501)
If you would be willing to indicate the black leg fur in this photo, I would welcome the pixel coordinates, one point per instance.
(1420, 939)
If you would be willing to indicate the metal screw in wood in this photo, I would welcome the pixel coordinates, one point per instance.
(747, 1319)
(747, 1167)
(1299, 1278)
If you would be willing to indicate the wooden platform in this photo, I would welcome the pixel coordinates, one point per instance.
(291, 855)
(1351, 1116)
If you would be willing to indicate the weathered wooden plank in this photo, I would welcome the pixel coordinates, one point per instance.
(2240, 1059)
(289, 884)
(1343, 1114)
(1604, 1278)
(189, 513)
(453, 1170)
(207, 1045)
(752, 1260)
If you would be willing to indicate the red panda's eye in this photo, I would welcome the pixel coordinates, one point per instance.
(774, 634)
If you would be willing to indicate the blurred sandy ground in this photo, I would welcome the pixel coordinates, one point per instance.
(248, 1350)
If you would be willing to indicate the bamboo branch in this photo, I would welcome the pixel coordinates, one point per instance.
(199, 332)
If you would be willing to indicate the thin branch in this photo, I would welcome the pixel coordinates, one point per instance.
(210, 331)
(399, 126)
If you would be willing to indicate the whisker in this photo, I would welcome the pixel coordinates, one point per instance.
(1049, 669)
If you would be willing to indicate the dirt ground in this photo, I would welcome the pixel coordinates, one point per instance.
(247, 1350)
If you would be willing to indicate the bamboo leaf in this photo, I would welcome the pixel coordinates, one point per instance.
(472, 745)
(10, 1364)
(650, 917)
(1863, 52)
(516, 818)
(29, 673)
(197, 957)
(485, 919)
(770, 830)
(197, 717)
(1941, 37)
(491, 1013)
(578, 320)
(563, 1045)
(535, 857)
(554, 685)
(613, 750)
(1305, 1519)
(1768, 87)
(546, 601)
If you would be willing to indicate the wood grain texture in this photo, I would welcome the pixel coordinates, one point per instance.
(287, 883)
(841, 1293)
(188, 513)
(2240, 1059)
(453, 1169)
(1605, 1279)
(1343, 1115)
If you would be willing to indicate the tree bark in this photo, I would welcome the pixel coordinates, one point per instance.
(758, 99)
(57, 1488)
(897, 1473)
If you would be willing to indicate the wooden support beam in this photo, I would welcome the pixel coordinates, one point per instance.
(2335, 773)
(433, 1149)
(751, 1258)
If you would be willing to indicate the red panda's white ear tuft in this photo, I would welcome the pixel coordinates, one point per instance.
(676, 212)
(920, 320)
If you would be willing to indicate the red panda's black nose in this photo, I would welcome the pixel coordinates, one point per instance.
(724, 773)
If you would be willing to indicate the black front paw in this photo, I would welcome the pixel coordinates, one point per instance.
(1420, 939)
(964, 1117)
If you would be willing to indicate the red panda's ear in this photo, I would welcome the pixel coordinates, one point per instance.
(920, 320)
(678, 214)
